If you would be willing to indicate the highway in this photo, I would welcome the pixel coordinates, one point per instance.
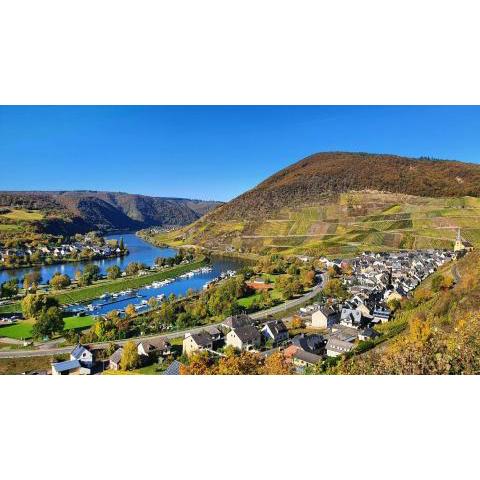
(42, 351)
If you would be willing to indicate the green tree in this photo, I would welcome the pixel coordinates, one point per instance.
(49, 322)
(33, 304)
(92, 270)
(9, 288)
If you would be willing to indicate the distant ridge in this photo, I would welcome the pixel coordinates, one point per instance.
(72, 211)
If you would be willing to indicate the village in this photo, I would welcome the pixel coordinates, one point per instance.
(356, 296)
(80, 247)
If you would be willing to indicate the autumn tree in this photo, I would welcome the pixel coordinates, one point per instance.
(199, 363)
(60, 281)
(247, 363)
(297, 322)
(113, 272)
(32, 280)
(129, 359)
(335, 289)
(277, 364)
(130, 310)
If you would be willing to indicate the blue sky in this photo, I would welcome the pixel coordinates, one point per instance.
(210, 152)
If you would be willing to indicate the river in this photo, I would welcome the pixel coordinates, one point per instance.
(139, 251)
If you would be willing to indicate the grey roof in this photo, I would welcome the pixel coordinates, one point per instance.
(247, 334)
(154, 344)
(173, 368)
(307, 357)
(309, 343)
(65, 366)
(213, 330)
(327, 311)
(348, 314)
(369, 332)
(277, 327)
(338, 345)
(237, 321)
(78, 351)
(202, 339)
(117, 355)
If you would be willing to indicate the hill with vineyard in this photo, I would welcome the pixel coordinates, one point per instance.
(342, 203)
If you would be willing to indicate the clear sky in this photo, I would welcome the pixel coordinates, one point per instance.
(210, 152)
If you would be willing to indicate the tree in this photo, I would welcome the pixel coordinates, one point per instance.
(247, 363)
(289, 285)
(122, 245)
(277, 364)
(130, 310)
(49, 322)
(92, 270)
(129, 359)
(134, 267)
(33, 304)
(113, 272)
(307, 278)
(9, 288)
(59, 281)
(32, 280)
(334, 288)
(199, 363)
(297, 322)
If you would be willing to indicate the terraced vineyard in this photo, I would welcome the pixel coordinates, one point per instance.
(347, 224)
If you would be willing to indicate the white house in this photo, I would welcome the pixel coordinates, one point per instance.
(83, 355)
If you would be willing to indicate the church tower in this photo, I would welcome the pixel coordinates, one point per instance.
(459, 246)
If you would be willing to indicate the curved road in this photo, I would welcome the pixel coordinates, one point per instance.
(42, 352)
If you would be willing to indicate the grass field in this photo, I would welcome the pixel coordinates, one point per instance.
(23, 329)
(247, 302)
(21, 214)
(9, 227)
(111, 286)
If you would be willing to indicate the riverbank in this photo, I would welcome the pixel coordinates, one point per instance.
(92, 292)
(250, 257)
(63, 261)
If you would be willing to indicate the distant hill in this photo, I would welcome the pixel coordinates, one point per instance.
(79, 211)
(340, 202)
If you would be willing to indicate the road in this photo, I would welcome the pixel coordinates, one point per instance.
(167, 336)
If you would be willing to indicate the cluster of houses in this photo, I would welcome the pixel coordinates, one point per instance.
(73, 250)
(376, 280)
(82, 358)
(337, 326)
